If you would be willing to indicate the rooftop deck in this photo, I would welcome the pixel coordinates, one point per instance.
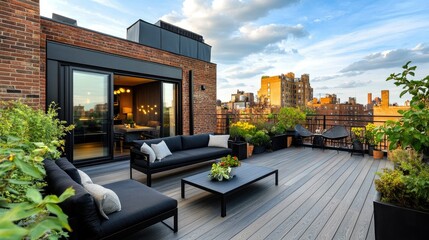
(321, 195)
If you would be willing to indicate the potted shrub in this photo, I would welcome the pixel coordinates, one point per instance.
(238, 131)
(277, 134)
(259, 140)
(401, 210)
(287, 118)
(357, 140)
(370, 137)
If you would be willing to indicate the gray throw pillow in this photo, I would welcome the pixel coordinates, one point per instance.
(106, 200)
(148, 150)
(161, 150)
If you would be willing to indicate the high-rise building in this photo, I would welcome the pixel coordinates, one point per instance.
(285, 90)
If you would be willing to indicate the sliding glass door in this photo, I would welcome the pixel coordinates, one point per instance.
(92, 114)
(169, 111)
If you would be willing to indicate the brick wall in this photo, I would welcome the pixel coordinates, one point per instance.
(20, 53)
(204, 73)
(23, 60)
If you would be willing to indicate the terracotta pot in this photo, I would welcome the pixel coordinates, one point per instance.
(249, 150)
(289, 141)
(378, 154)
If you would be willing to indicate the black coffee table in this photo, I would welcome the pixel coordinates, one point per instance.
(244, 175)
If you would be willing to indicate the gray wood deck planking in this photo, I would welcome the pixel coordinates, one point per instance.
(321, 195)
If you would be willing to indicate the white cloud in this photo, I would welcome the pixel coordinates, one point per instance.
(230, 27)
(390, 58)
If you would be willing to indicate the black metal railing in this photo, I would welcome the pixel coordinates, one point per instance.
(313, 122)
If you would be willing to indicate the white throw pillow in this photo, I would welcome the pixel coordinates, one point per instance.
(106, 200)
(161, 150)
(218, 141)
(84, 178)
(148, 150)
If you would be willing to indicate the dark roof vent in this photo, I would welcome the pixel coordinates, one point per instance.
(180, 31)
(63, 19)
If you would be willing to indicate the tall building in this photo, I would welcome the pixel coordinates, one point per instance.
(336, 113)
(285, 90)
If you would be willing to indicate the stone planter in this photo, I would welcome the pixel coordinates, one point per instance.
(278, 142)
(393, 222)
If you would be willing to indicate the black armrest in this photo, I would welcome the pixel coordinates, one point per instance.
(137, 154)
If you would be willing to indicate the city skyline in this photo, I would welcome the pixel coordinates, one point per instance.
(347, 48)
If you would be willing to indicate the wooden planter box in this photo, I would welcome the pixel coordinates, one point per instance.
(393, 222)
(278, 142)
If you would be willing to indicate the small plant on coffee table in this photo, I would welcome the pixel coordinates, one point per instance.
(220, 173)
(229, 161)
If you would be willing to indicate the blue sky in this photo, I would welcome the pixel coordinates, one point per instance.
(349, 48)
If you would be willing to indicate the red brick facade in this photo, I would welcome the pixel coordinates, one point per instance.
(20, 60)
(23, 64)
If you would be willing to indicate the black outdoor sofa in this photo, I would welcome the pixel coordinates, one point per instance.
(185, 150)
(141, 206)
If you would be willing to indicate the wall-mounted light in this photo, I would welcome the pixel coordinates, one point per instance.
(203, 87)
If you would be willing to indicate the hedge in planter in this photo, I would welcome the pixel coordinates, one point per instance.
(402, 210)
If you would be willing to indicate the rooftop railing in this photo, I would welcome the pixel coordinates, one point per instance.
(313, 122)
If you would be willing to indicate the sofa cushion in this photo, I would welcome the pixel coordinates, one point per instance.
(218, 141)
(161, 150)
(142, 204)
(84, 177)
(80, 208)
(69, 168)
(106, 200)
(190, 155)
(195, 141)
(149, 151)
(174, 143)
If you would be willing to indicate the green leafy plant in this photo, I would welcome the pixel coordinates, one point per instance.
(357, 133)
(288, 117)
(412, 130)
(260, 138)
(27, 137)
(241, 129)
(408, 184)
(229, 161)
(220, 173)
(370, 134)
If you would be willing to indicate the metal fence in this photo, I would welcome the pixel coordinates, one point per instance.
(313, 122)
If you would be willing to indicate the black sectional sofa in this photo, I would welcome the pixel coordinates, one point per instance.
(142, 206)
(185, 150)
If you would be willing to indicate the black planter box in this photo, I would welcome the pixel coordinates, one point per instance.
(258, 149)
(278, 142)
(393, 222)
(239, 149)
